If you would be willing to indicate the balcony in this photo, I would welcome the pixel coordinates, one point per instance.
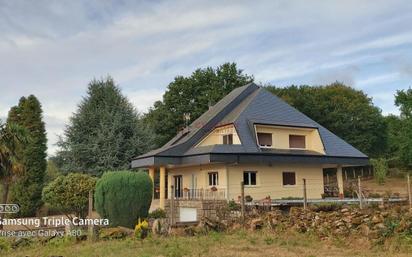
(200, 194)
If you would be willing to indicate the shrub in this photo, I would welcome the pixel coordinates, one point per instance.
(69, 194)
(4, 245)
(123, 197)
(233, 206)
(248, 198)
(157, 214)
(326, 207)
(380, 167)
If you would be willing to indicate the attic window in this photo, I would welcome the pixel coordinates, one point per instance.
(264, 139)
(228, 139)
(297, 141)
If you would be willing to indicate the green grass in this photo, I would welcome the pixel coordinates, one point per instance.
(241, 243)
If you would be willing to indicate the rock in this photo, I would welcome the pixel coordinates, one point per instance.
(373, 234)
(115, 233)
(377, 219)
(21, 242)
(256, 224)
(364, 229)
(380, 226)
(160, 227)
(356, 221)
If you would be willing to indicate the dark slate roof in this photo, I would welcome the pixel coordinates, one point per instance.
(244, 107)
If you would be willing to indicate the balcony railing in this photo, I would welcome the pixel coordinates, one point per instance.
(200, 194)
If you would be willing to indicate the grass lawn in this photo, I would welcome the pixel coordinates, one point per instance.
(242, 243)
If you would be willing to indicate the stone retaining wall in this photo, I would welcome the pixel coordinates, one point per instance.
(205, 208)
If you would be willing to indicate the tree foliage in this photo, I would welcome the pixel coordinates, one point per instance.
(104, 133)
(347, 112)
(402, 137)
(192, 95)
(28, 189)
(12, 139)
(123, 197)
(70, 194)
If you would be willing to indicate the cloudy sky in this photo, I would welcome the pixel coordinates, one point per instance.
(54, 48)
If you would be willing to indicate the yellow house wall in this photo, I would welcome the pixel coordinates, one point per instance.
(216, 136)
(280, 137)
(269, 179)
(270, 183)
(201, 174)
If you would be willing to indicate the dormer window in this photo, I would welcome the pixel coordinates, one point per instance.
(228, 139)
(297, 141)
(264, 139)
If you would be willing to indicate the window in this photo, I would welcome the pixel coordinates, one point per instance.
(289, 178)
(264, 139)
(213, 178)
(249, 178)
(228, 139)
(296, 141)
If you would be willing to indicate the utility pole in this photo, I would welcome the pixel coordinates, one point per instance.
(360, 193)
(305, 199)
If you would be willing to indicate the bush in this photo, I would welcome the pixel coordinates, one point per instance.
(69, 194)
(123, 197)
(326, 207)
(4, 245)
(157, 214)
(380, 168)
(233, 206)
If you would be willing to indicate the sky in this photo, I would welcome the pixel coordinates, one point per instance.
(52, 49)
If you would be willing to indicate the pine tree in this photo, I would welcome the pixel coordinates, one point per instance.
(105, 133)
(28, 189)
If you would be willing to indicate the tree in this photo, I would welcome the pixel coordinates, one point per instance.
(27, 190)
(12, 138)
(70, 194)
(347, 112)
(123, 197)
(192, 95)
(104, 133)
(403, 99)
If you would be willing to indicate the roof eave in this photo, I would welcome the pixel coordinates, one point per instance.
(247, 158)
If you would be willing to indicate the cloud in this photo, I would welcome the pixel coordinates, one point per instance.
(53, 49)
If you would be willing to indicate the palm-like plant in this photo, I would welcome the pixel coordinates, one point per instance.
(12, 139)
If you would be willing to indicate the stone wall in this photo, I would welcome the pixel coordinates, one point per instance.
(205, 208)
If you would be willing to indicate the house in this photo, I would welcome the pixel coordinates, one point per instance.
(255, 137)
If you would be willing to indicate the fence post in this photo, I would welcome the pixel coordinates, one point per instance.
(305, 199)
(172, 205)
(409, 191)
(242, 200)
(360, 193)
(90, 214)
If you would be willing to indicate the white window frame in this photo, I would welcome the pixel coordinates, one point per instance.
(250, 178)
(215, 178)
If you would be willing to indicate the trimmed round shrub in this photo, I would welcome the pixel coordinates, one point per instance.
(123, 197)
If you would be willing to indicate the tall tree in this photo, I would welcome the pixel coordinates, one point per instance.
(347, 112)
(403, 99)
(192, 95)
(105, 132)
(12, 138)
(28, 189)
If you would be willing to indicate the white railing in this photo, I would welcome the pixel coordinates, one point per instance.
(200, 194)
